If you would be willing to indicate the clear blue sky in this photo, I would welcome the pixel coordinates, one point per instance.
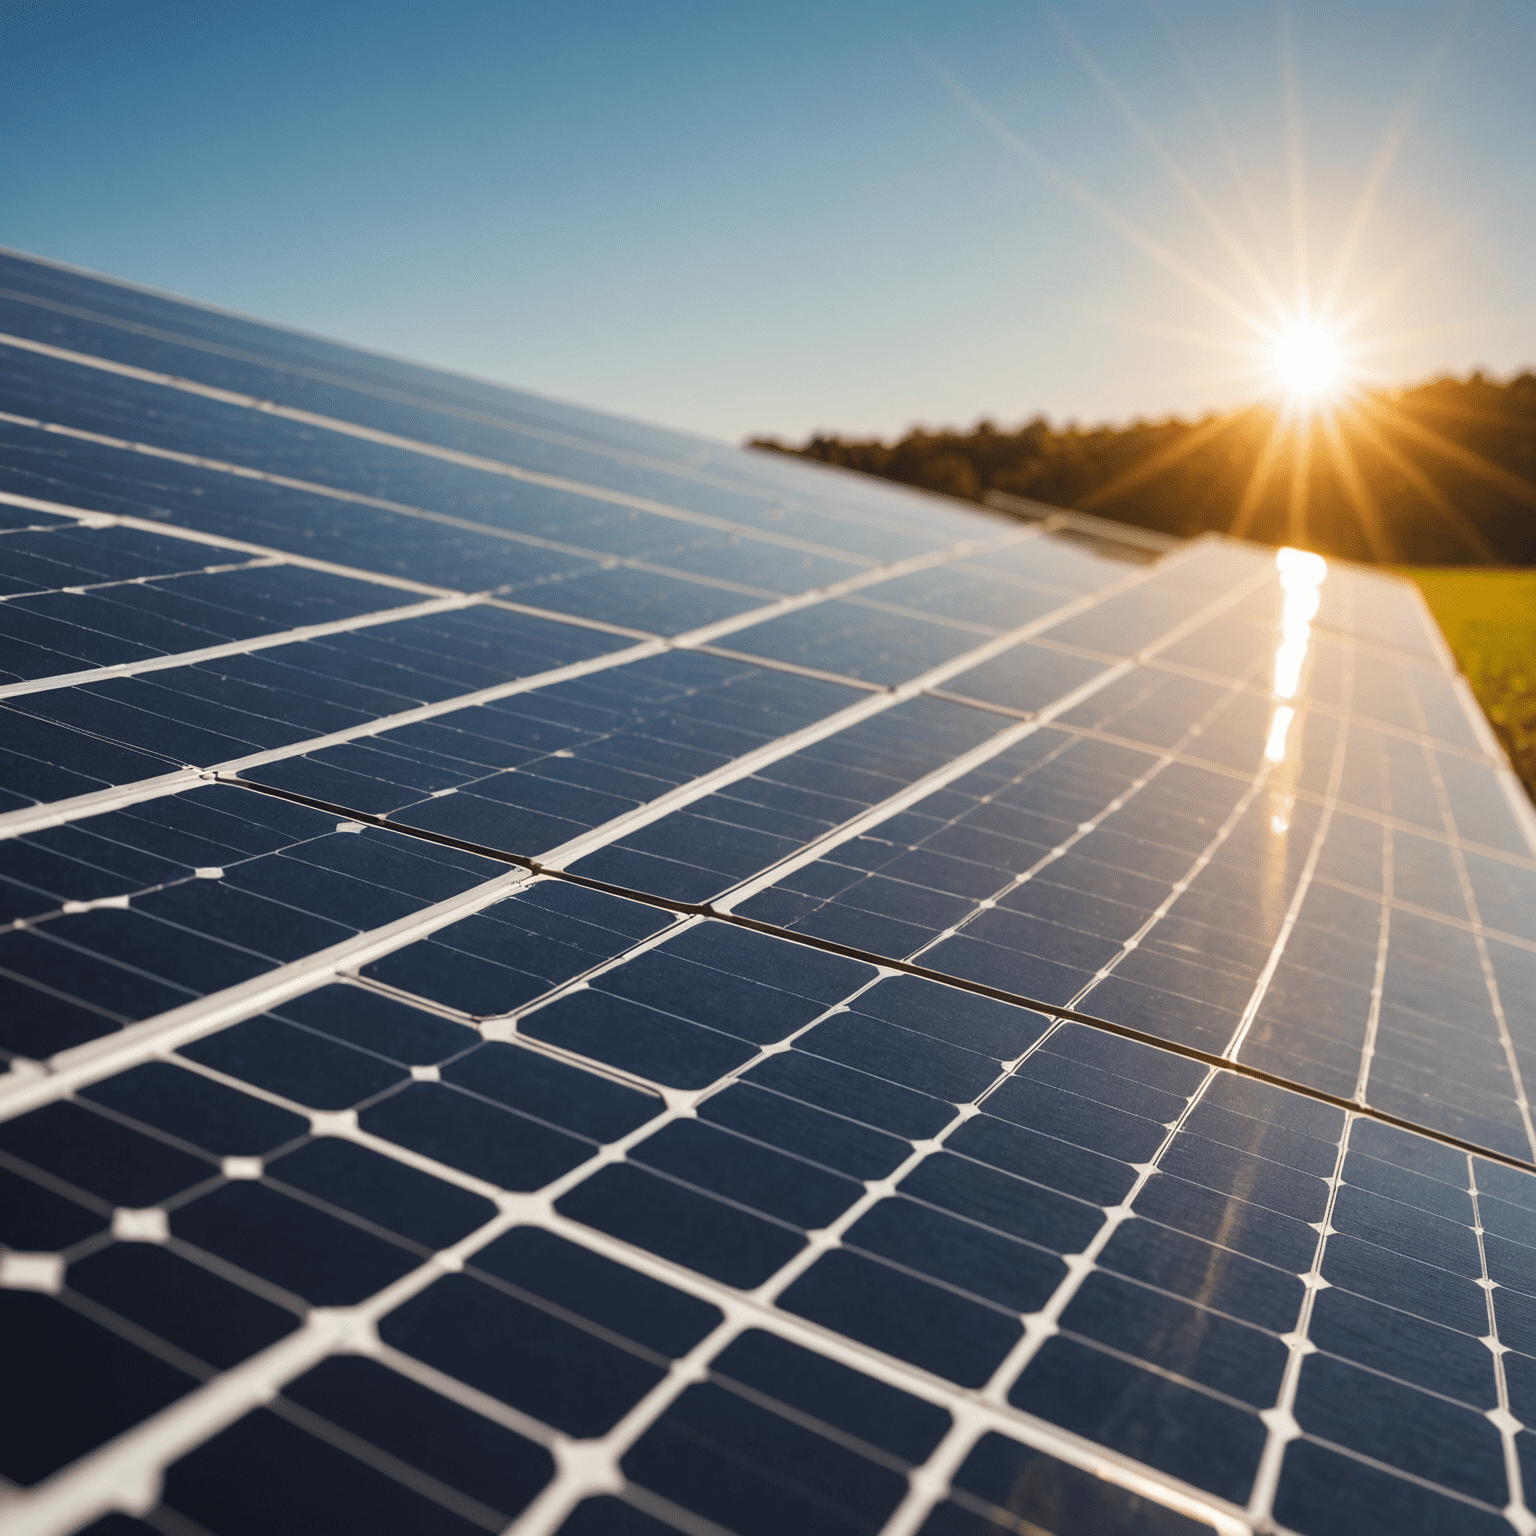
(737, 217)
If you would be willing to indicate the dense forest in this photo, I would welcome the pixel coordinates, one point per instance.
(1441, 474)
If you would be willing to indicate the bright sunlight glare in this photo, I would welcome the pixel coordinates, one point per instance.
(1307, 360)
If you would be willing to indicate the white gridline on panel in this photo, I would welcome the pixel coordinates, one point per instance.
(517, 1209)
(68, 1064)
(54, 813)
(683, 469)
(323, 974)
(584, 1478)
(986, 750)
(1328, 802)
(343, 428)
(698, 639)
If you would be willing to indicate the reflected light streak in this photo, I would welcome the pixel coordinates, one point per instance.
(1279, 724)
(1301, 575)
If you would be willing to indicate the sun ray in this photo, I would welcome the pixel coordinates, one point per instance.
(1465, 529)
(1372, 524)
(1166, 457)
(1219, 133)
(1425, 256)
(1218, 226)
(1468, 459)
(1381, 168)
(1258, 480)
(1190, 275)
(1294, 162)
(1381, 341)
(1209, 341)
(1298, 502)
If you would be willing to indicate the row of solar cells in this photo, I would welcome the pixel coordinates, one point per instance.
(104, 320)
(1168, 1347)
(405, 664)
(1182, 1318)
(1029, 874)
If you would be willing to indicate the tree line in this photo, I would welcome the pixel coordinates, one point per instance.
(1440, 474)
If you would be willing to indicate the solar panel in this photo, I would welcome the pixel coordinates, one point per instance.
(567, 978)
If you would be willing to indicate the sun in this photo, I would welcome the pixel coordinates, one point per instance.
(1307, 361)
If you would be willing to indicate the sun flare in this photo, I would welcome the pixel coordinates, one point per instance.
(1307, 361)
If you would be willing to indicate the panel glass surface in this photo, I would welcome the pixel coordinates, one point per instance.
(559, 977)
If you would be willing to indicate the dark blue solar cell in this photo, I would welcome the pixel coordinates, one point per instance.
(162, 949)
(754, 1011)
(499, 1145)
(1198, 1438)
(379, 1024)
(1216, 1277)
(1029, 1102)
(101, 1157)
(207, 1315)
(554, 1091)
(389, 1194)
(1520, 1377)
(565, 1374)
(1243, 1225)
(901, 1056)
(108, 1385)
(322, 1489)
(38, 1023)
(976, 1259)
(194, 1109)
(1517, 1319)
(748, 1173)
(899, 1314)
(487, 823)
(1118, 1072)
(1404, 1428)
(73, 865)
(485, 966)
(998, 1200)
(1186, 1339)
(34, 1218)
(656, 1045)
(1047, 1160)
(324, 1260)
(1399, 1344)
(296, 1063)
(832, 1140)
(962, 1018)
(43, 761)
(491, 1464)
(641, 1309)
(274, 902)
(607, 1516)
(683, 1224)
(126, 711)
(1028, 1486)
(846, 1090)
(832, 1393)
(1291, 1193)
(746, 1468)
(1336, 1495)
(1409, 1230)
(688, 856)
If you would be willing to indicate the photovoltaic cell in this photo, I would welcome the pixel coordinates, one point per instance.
(561, 977)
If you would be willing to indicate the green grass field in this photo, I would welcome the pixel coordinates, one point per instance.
(1489, 618)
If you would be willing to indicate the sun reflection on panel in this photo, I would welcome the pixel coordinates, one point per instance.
(1302, 575)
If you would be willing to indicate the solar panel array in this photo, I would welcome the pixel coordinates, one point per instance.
(565, 978)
